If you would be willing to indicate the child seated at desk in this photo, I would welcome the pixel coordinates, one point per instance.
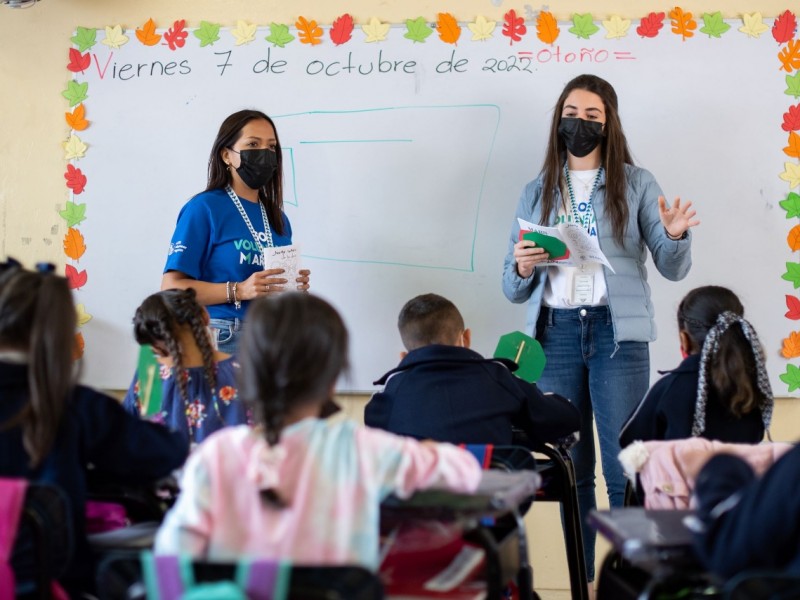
(721, 390)
(298, 487)
(444, 391)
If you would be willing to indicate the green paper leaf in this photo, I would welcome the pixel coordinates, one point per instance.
(714, 25)
(417, 30)
(583, 26)
(791, 205)
(791, 377)
(207, 33)
(84, 38)
(76, 92)
(793, 85)
(149, 372)
(525, 351)
(279, 34)
(74, 214)
(792, 274)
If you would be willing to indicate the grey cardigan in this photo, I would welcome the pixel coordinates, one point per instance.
(628, 291)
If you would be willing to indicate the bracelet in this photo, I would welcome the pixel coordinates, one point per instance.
(676, 239)
(236, 302)
(228, 292)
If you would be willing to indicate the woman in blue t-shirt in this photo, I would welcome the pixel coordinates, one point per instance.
(221, 235)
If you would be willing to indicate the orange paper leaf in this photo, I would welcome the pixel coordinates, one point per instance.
(547, 27)
(77, 350)
(793, 149)
(790, 56)
(309, 32)
(74, 246)
(448, 28)
(75, 119)
(682, 23)
(793, 239)
(791, 345)
(147, 34)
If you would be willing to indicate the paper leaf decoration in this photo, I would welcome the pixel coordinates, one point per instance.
(784, 27)
(448, 28)
(793, 149)
(74, 244)
(583, 26)
(76, 279)
(791, 118)
(375, 30)
(417, 30)
(791, 345)
(682, 23)
(74, 147)
(547, 27)
(342, 29)
(115, 38)
(77, 351)
(791, 205)
(77, 118)
(793, 238)
(714, 25)
(513, 27)
(147, 34)
(83, 316)
(78, 62)
(207, 33)
(76, 181)
(791, 174)
(309, 32)
(84, 38)
(74, 214)
(76, 92)
(790, 56)
(791, 377)
(754, 25)
(793, 85)
(792, 274)
(279, 35)
(617, 27)
(525, 351)
(482, 29)
(175, 37)
(793, 304)
(244, 33)
(651, 25)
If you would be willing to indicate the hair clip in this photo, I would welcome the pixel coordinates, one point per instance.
(45, 267)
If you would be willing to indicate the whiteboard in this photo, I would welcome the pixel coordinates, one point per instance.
(404, 163)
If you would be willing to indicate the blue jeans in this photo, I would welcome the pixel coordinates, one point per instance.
(227, 334)
(606, 382)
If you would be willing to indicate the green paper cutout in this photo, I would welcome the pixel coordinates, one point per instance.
(791, 205)
(417, 30)
(149, 372)
(714, 25)
(279, 35)
(76, 92)
(74, 214)
(525, 351)
(207, 33)
(583, 26)
(792, 274)
(791, 377)
(84, 38)
(793, 85)
(554, 246)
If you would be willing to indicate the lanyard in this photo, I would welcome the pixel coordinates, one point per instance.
(589, 209)
(267, 230)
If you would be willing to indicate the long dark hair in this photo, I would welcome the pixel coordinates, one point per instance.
(157, 321)
(614, 155)
(271, 195)
(37, 317)
(293, 349)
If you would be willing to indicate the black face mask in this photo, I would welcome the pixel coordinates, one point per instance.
(580, 136)
(257, 167)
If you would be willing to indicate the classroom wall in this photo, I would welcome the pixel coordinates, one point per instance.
(33, 46)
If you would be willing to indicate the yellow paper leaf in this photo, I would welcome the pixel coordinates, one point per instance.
(791, 345)
(482, 29)
(375, 30)
(74, 148)
(114, 37)
(791, 174)
(83, 316)
(617, 27)
(74, 246)
(244, 33)
(754, 25)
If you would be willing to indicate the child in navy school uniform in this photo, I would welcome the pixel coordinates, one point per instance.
(444, 391)
(51, 428)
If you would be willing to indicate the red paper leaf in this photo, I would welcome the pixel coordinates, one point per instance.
(793, 304)
(176, 35)
(78, 62)
(791, 118)
(514, 26)
(76, 180)
(342, 29)
(784, 27)
(651, 25)
(76, 279)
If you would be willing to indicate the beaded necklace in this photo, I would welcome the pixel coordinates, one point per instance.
(573, 203)
(267, 230)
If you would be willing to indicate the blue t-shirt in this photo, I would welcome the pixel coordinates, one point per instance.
(212, 243)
